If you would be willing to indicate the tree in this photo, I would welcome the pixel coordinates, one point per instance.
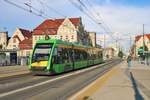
(120, 54)
(2, 57)
(1, 46)
(141, 50)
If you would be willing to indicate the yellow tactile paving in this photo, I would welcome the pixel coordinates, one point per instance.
(92, 88)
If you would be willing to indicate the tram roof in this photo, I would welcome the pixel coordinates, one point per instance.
(61, 42)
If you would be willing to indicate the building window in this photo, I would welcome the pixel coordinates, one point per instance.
(66, 37)
(14, 40)
(61, 37)
(14, 46)
(35, 38)
(72, 37)
(28, 53)
(41, 37)
(21, 53)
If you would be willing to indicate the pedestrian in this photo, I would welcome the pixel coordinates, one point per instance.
(129, 61)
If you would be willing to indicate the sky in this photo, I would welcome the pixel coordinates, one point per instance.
(122, 19)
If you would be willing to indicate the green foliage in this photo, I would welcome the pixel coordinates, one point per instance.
(120, 54)
(1, 46)
(2, 56)
(141, 49)
(145, 48)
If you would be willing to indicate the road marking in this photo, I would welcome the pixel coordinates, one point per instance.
(94, 86)
(45, 82)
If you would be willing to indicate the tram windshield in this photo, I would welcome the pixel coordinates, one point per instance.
(41, 53)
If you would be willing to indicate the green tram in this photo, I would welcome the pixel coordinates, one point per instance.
(56, 56)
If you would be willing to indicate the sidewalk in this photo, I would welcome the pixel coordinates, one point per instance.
(7, 71)
(121, 83)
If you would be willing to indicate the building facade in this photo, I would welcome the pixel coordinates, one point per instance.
(18, 36)
(18, 43)
(139, 43)
(68, 29)
(25, 49)
(92, 39)
(108, 53)
(3, 40)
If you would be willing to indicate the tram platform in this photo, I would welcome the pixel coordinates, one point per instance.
(120, 83)
(7, 71)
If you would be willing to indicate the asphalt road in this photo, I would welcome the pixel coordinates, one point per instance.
(53, 87)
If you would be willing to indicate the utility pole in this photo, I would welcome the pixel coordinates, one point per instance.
(130, 43)
(143, 42)
(104, 40)
(100, 43)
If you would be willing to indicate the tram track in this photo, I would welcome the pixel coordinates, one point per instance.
(29, 80)
(17, 76)
(20, 77)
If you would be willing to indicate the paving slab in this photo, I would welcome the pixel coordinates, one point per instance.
(7, 71)
(124, 84)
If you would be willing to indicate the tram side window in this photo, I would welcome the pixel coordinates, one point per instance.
(99, 54)
(80, 55)
(58, 56)
(67, 55)
(85, 55)
(76, 55)
(90, 55)
(62, 55)
(70, 53)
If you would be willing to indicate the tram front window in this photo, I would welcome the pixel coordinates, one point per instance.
(41, 53)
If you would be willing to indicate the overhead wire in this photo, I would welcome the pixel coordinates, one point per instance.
(37, 12)
(23, 8)
(34, 10)
(105, 27)
(51, 8)
(82, 8)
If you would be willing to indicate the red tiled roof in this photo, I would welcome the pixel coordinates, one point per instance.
(26, 33)
(51, 26)
(26, 44)
(109, 49)
(139, 36)
(75, 21)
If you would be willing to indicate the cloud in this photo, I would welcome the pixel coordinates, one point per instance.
(122, 19)
(124, 22)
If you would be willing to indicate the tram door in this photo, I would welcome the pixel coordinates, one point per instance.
(13, 58)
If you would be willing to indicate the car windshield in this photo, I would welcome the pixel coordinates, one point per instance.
(42, 52)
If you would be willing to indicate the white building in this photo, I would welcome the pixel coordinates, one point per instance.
(3, 40)
(139, 43)
(92, 40)
(68, 29)
(18, 36)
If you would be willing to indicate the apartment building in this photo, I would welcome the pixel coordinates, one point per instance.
(67, 29)
(3, 40)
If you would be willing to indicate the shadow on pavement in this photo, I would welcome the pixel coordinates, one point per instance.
(138, 96)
